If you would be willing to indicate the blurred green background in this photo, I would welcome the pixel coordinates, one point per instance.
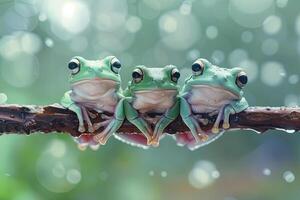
(38, 38)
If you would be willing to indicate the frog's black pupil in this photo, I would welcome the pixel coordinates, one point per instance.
(176, 75)
(243, 79)
(117, 64)
(196, 67)
(73, 65)
(136, 75)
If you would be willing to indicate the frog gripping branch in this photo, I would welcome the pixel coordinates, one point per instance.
(210, 101)
(95, 86)
(151, 99)
(211, 90)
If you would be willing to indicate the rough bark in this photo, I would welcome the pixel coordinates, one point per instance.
(18, 119)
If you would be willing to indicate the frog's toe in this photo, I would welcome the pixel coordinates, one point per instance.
(203, 137)
(91, 129)
(215, 130)
(226, 125)
(155, 142)
(81, 129)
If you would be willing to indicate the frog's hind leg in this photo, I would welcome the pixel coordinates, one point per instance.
(166, 119)
(87, 119)
(113, 125)
(234, 107)
(133, 117)
(227, 112)
(215, 128)
(190, 121)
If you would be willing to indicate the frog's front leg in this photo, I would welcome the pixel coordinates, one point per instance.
(232, 108)
(166, 119)
(133, 117)
(113, 125)
(215, 128)
(190, 121)
(67, 102)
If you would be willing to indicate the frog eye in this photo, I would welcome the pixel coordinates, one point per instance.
(175, 75)
(137, 75)
(74, 66)
(241, 79)
(115, 65)
(198, 68)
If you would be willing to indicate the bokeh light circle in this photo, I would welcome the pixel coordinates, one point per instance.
(203, 174)
(250, 13)
(58, 170)
(272, 73)
(178, 31)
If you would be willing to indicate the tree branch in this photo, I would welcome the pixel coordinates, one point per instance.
(17, 119)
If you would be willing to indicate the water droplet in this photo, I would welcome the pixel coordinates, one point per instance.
(49, 42)
(266, 172)
(289, 176)
(163, 174)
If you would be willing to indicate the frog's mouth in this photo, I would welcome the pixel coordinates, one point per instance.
(169, 91)
(95, 81)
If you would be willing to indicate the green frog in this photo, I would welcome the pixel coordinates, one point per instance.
(95, 87)
(211, 90)
(151, 101)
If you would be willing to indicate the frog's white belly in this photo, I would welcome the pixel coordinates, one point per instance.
(97, 94)
(158, 101)
(207, 99)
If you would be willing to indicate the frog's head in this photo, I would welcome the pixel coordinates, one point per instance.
(105, 69)
(207, 74)
(144, 78)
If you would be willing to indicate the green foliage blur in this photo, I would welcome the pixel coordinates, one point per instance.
(39, 37)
